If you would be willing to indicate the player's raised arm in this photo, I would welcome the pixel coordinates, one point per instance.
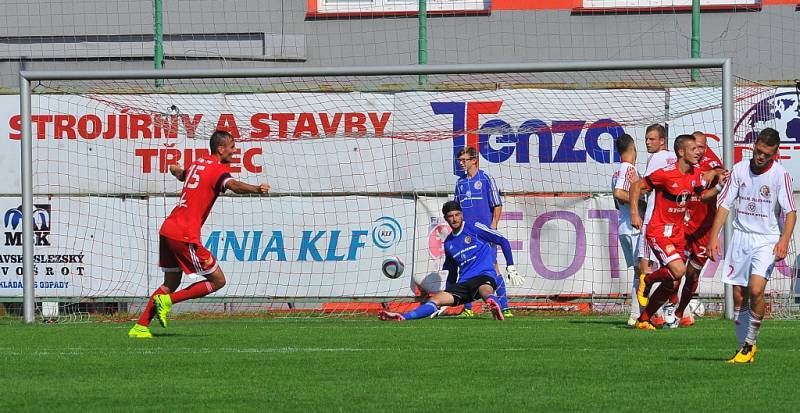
(177, 172)
(710, 194)
(244, 188)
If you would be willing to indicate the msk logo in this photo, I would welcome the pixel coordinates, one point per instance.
(315, 245)
(468, 133)
(780, 112)
(41, 225)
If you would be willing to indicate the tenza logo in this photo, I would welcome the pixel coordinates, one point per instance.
(12, 220)
(497, 140)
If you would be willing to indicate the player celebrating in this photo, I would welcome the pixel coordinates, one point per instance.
(628, 235)
(180, 249)
(672, 186)
(470, 254)
(480, 199)
(700, 216)
(760, 186)
(655, 140)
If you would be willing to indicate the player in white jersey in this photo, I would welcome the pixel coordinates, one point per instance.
(759, 189)
(628, 235)
(655, 139)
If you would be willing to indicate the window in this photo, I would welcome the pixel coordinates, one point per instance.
(665, 5)
(345, 8)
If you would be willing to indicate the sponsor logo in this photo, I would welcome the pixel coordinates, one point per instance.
(780, 112)
(498, 141)
(683, 197)
(438, 230)
(386, 232)
(315, 245)
(12, 221)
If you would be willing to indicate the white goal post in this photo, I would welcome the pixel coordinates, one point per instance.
(27, 78)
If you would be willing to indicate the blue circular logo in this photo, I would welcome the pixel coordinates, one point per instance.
(386, 232)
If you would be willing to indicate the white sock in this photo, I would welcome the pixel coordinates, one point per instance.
(754, 328)
(635, 310)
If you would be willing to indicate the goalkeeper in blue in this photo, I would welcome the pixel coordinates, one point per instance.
(469, 253)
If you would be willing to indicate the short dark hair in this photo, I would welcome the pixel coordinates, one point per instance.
(662, 131)
(218, 138)
(469, 151)
(769, 137)
(680, 142)
(450, 206)
(623, 143)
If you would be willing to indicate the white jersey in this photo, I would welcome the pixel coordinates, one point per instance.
(622, 179)
(759, 198)
(657, 161)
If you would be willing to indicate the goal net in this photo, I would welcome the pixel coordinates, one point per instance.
(359, 168)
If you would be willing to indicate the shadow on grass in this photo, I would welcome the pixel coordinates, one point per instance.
(179, 335)
(721, 360)
(598, 321)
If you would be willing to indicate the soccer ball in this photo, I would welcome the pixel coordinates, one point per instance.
(697, 308)
(392, 267)
(670, 319)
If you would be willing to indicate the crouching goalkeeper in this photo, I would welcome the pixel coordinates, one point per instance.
(469, 252)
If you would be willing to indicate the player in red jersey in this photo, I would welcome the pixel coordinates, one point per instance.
(180, 247)
(673, 186)
(700, 217)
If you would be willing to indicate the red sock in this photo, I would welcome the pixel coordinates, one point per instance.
(198, 289)
(149, 310)
(660, 275)
(658, 299)
(689, 287)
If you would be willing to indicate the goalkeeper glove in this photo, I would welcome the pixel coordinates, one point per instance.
(514, 277)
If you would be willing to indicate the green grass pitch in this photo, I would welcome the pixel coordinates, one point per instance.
(527, 364)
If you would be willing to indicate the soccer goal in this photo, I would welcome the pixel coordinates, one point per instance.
(360, 160)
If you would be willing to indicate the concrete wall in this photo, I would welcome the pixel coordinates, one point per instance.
(116, 34)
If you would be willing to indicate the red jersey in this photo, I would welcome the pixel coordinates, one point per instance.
(701, 214)
(205, 180)
(673, 190)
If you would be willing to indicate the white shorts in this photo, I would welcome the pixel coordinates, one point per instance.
(644, 251)
(749, 254)
(630, 245)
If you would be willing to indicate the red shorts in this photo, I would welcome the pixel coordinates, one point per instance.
(696, 247)
(190, 258)
(667, 249)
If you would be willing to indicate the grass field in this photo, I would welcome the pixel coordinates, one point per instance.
(558, 364)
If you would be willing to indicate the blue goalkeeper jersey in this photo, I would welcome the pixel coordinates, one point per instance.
(477, 196)
(471, 253)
